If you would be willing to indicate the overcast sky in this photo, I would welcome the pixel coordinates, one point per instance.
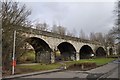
(88, 16)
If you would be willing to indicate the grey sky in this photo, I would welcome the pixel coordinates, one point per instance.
(88, 16)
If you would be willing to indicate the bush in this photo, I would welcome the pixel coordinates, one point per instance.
(28, 56)
(82, 66)
(87, 65)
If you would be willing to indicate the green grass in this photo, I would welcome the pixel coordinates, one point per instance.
(41, 67)
(98, 61)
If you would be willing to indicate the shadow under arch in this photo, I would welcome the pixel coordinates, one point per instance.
(100, 52)
(111, 51)
(42, 49)
(85, 52)
(67, 51)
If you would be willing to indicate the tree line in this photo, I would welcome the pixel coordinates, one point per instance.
(104, 39)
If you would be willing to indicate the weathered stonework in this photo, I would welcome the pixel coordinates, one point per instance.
(53, 40)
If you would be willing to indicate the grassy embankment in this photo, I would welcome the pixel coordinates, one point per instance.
(41, 67)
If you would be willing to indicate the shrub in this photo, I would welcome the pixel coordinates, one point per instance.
(82, 66)
(87, 65)
(28, 56)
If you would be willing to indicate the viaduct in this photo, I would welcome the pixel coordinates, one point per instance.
(46, 44)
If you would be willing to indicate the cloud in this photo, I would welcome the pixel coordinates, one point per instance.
(65, 0)
(89, 16)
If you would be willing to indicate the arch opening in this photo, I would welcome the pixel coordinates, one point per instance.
(85, 52)
(67, 51)
(41, 49)
(110, 51)
(100, 52)
(38, 44)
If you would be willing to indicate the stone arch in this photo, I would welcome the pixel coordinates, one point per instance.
(67, 50)
(100, 52)
(85, 52)
(42, 49)
(38, 44)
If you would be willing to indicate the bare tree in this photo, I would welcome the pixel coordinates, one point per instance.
(13, 16)
(54, 29)
(110, 40)
(71, 33)
(100, 38)
(82, 34)
(41, 26)
(104, 39)
(92, 36)
(116, 29)
(59, 30)
(74, 32)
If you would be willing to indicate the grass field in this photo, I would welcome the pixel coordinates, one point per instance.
(41, 67)
(98, 61)
(36, 67)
